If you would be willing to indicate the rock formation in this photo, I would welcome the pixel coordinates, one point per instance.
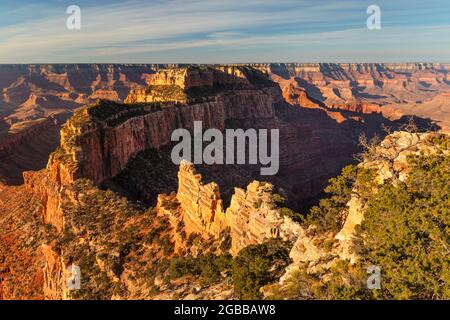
(389, 160)
(30, 94)
(252, 216)
(98, 141)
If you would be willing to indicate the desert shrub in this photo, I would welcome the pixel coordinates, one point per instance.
(208, 267)
(327, 215)
(287, 212)
(153, 235)
(258, 265)
(225, 240)
(330, 213)
(406, 232)
(342, 281)
(280, 201)
(166, 245)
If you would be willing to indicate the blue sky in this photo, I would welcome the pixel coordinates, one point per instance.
(224, 31)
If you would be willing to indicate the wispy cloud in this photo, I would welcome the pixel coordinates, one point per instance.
(204, 31)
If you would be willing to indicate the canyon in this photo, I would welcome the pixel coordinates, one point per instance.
(33, 93)
(391, 89)
(109, 184)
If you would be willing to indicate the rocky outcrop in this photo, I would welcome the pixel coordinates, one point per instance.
(254, 218)
(390, 161)
(201, 204)
(251, 218)
(358, 107)
(297, 96)
(54, 286)
(185, 78)
(47, 185)
(98, 141)
(194, 84)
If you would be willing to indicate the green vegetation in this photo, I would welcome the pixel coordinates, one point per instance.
(208, 267)
(258, 265)
(254, 267)
(406, 231)
(279, 201)
(103, 235)
(331, 212)
(342, 281)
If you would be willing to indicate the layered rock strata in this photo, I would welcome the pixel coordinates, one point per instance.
(98, 141)
(98, 146)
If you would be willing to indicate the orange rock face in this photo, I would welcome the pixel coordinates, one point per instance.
(252, 216)
(201, 203)
(99, 141)
(54, 270)
(297, 96)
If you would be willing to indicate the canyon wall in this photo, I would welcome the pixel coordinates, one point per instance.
(97, 146)
(27, 148)
(13, 141)
(98, 141)
(31, 94)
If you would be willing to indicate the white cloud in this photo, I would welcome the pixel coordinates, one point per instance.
(135, 30)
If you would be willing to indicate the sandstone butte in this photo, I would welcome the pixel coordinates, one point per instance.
(99, 141)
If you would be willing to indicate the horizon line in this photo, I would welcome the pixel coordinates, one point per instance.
(223, 63)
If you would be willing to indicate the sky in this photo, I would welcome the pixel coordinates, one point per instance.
(224, 31)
